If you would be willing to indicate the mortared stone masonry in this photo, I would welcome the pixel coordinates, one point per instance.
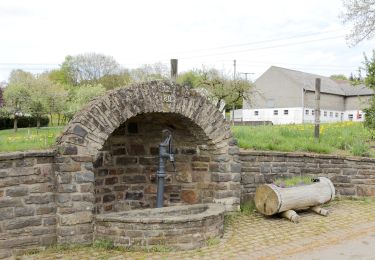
(107, 157)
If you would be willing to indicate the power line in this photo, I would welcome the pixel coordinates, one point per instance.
(215, 48)
(291, 64)
(243, 62)
(264, 48)
(263, 41)
(11, 65)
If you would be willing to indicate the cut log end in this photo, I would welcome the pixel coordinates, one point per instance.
(267, 200)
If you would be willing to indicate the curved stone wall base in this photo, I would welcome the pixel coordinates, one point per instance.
(176, 227)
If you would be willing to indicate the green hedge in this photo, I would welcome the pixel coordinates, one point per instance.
(23, 121)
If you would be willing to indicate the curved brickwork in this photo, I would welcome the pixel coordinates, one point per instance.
(80, 144)
(178, 227)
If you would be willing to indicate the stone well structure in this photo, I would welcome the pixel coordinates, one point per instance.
(107, 157)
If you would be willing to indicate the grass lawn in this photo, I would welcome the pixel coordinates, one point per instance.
(28, 138)
(345, 138)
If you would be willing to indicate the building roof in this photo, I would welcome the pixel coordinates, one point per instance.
(328, 85)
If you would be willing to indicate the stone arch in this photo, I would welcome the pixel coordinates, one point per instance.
(88, 131)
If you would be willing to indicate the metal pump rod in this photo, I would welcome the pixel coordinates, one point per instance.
(165, 152)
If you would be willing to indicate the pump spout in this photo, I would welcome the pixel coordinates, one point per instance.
(165, 152)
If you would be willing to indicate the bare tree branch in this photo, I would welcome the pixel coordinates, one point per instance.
(361, 14)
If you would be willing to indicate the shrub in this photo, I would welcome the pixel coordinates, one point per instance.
(293, 181)
(23, 121)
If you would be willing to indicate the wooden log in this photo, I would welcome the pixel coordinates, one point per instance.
(271, 199)
(319, 210)
(291, 215)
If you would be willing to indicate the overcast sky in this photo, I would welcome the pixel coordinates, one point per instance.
(298, 34)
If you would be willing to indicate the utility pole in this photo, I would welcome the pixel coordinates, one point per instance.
(234, 82)
(174, 63)
(247, 73)
(317, 109)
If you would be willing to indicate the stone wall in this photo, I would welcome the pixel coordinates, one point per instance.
(125, 171)
(27, 202)
(86, 144)
(30, 200)
(351, 176)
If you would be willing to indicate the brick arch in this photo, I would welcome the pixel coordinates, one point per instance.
(91, 126)
(85, 135)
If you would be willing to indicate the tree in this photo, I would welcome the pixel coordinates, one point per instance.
(338, 76)
(224, 89)
(80, 96)
(241, 91)
(37, 109)
(61, 76)
(113, 81)
(360, 13)
(87, 68)
(17, 94)
(218, 85)
(16, 97)
(147, 72)
(355, 79)
(190, 79)
(369, 67)
(369, 64)
(50, 95)
(2, 86)
(20, 77)
(56, 97)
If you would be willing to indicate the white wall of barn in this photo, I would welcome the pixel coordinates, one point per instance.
(296, 115)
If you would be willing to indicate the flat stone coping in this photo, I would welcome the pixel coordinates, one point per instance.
(26, 154)
(244, 152)
(173, 214)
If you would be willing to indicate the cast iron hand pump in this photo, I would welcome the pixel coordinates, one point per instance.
(165, 152)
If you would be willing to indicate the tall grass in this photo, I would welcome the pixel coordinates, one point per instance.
(293, 181)
(28, 138)
(345, 138)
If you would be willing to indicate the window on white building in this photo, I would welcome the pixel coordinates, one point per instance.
(306, 112)
(312, 112)
(325, 113)
(276, 112)
(359, 116)
(256, 113)
(336, 114)
(350, 116)
(330, 114)
(286, 112)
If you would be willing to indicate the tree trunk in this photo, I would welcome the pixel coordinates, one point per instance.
(51, 121)
(15, 122)
(271, 199)
(38, 122)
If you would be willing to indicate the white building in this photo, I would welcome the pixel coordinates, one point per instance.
(284, 96)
